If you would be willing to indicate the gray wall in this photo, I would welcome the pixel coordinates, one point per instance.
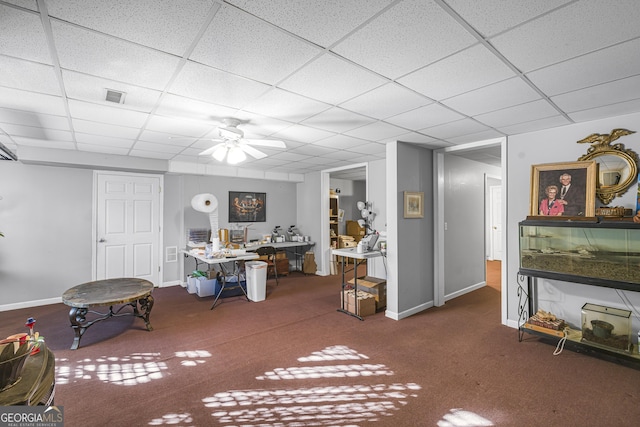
(464, 215)
(415, 235)
(46, 217)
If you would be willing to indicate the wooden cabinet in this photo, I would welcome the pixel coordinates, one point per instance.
(333, 219)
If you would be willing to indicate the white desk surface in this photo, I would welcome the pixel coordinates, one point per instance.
(353, 253)
(245, 257)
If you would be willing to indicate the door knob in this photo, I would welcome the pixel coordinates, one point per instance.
(101, 240)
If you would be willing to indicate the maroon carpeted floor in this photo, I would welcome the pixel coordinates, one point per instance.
(293, 360)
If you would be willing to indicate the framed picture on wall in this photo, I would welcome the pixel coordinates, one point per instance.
(413, 204)
(247, 206)
(563, 189)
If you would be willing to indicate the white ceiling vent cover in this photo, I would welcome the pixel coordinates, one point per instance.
(114, 96)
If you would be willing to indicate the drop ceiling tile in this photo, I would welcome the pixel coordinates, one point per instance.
(340, 142)
(595, 68)
(106, 141)
(168, 26)
(27, 4)
(464, 71)
(319, 161)
(599, 25)
(423, 117)
(179, 106)
(259, 50)
(83, 87)
(207, 84)
(290, 157)
(332, 80)
(370, 148)
(36, 132)
(412, 137)
(455, 129)
(337, 120)
(386, 101)
(166, 138)
(103, 149)
(44, 143)
(494, 16)
(377, 131)
(179, 126)
(520, 113)
(100, 128)
(311, 150)
(475, 137)
(344, 155)
(598, 96)
(410, 35)
(611, 110)
(106, 114)
(22, 35)
(151, 154)
(25, 118)
(322, 22)
(110, 58)
(161, 148)
(301, 133)
(27, 75)
(32, 103)
(494, 97)
(286, 105)
(535, 125)
(257, 126)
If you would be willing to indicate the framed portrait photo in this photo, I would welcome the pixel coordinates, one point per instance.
(413, 204)
(247, 206)
(563, 189)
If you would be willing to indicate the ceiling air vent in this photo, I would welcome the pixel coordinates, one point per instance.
(114, 96)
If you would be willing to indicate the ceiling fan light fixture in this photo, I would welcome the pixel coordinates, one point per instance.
(220, 153)
(236, 155)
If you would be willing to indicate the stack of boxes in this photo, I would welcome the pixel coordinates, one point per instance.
(372, 295)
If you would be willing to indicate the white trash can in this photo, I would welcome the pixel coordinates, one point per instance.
(256, 280)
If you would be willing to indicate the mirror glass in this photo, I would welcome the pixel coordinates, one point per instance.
(613, 170)
(617, 171)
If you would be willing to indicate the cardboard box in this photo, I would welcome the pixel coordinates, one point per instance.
(366, 303)
(375, 286)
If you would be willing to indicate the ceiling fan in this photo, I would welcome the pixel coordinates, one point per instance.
(233, 145)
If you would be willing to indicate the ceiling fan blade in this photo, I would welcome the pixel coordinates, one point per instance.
(210, 150)
(265, 142)
(253, 152)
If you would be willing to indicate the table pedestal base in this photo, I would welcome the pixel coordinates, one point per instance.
(80, 324)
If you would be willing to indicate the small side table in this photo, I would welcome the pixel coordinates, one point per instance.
(358, 258)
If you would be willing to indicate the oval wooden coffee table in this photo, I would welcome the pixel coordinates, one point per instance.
(131, 292)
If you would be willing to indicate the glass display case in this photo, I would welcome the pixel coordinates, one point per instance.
(607, 327)
(605, 253)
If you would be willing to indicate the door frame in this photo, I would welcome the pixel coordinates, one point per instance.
(94, 219)
(325, 186)
(439, 220)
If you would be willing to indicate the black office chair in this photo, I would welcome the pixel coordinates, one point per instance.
(270, 253)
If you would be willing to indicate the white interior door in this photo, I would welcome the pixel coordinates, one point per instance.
(127, 224)
(495, 227)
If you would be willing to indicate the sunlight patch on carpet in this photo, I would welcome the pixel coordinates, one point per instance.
(336, 352)
(172, 419)
(341, 404)
(193, 357)
(137, 368)
(462, 418)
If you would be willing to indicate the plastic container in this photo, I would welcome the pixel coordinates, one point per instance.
(256, 280)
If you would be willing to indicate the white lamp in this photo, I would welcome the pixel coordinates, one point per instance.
(236, 155)
(220, 153)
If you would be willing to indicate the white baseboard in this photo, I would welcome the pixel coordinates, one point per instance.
(29, 304)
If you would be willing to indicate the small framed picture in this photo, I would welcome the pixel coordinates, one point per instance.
(413, 204)
(563, 189)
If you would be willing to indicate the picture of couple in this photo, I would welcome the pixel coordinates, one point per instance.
(563, 189)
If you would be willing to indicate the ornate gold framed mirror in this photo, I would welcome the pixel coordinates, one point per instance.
(617, 166)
